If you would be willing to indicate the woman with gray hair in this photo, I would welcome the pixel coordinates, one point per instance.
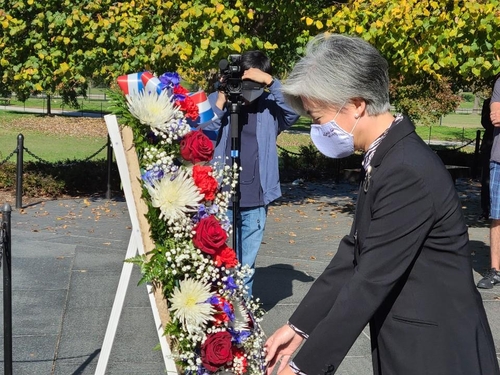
(404, 269)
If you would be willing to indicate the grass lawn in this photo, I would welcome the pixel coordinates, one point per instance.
(77, 138)
(51, 139)
(50, 148)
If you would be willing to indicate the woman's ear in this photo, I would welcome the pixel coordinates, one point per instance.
(360, 106)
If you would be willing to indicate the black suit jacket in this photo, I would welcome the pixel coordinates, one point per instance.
(405, 269)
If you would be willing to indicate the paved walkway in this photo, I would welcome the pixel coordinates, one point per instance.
(67, 260)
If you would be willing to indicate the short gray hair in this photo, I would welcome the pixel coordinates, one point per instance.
(337, 68)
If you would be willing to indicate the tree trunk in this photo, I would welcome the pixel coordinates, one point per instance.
(477, 105)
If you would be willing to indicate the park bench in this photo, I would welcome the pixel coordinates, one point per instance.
(5, 101)
(456, 171)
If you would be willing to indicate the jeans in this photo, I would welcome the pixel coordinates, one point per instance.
(495, 190)
(250, 224)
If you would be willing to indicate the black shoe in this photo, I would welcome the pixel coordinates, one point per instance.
(490, 279)
(485, 216)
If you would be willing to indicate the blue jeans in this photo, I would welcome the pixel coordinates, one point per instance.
(250, 224)
(495, 190)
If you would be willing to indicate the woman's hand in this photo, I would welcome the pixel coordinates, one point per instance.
(280, 347)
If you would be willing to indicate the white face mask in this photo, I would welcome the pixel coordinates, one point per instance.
(331, 140)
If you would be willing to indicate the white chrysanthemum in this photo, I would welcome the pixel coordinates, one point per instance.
(174, 195)
(190, 305)
(240, 322)
(155, 110)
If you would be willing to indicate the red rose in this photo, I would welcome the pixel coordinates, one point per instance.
(216, 351)
(207, 185)
(225, 256)
(209, 236)
(197, 147)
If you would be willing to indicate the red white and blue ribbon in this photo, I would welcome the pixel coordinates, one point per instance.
(204, 108)
(133, 84)
(206, 114)
(151, 83)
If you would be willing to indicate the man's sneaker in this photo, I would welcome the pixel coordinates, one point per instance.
(490, 279)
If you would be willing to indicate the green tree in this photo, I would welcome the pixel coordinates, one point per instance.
(41, 44)
(434, 48)
(59, 46)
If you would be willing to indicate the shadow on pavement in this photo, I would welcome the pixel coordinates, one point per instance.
(480, 254)
(274, 283)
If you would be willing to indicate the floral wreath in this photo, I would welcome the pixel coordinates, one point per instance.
(214, 325)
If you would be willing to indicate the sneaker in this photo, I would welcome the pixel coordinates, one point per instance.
(490, 279)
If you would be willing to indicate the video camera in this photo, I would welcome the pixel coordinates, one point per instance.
(229, 79)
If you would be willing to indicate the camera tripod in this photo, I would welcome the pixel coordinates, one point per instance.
(234, 104)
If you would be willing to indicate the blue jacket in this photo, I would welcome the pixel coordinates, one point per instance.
(273, 117)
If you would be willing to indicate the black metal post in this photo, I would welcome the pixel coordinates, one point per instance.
(7, 290)
(49, 106)
(235, 106)
(19, 172)
(110, 161)
(476, 167)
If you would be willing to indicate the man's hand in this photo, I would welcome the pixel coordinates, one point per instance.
(280, 347)
(257, 75)
(221, 100)
(495, 113)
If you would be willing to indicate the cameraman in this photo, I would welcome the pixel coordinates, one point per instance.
(262, 116)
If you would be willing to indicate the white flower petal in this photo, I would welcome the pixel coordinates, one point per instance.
(153, 109)
(190, 306)
(174, 195)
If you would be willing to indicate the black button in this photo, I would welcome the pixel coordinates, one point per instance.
(330, 369)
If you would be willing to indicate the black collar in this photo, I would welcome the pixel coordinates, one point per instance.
(397, 132)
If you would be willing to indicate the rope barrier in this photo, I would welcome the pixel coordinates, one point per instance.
(316, 151)
(60, 163)
(459, 148)
(8, 157)
(288, 152)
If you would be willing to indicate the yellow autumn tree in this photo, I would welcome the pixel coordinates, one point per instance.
(58, 46)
